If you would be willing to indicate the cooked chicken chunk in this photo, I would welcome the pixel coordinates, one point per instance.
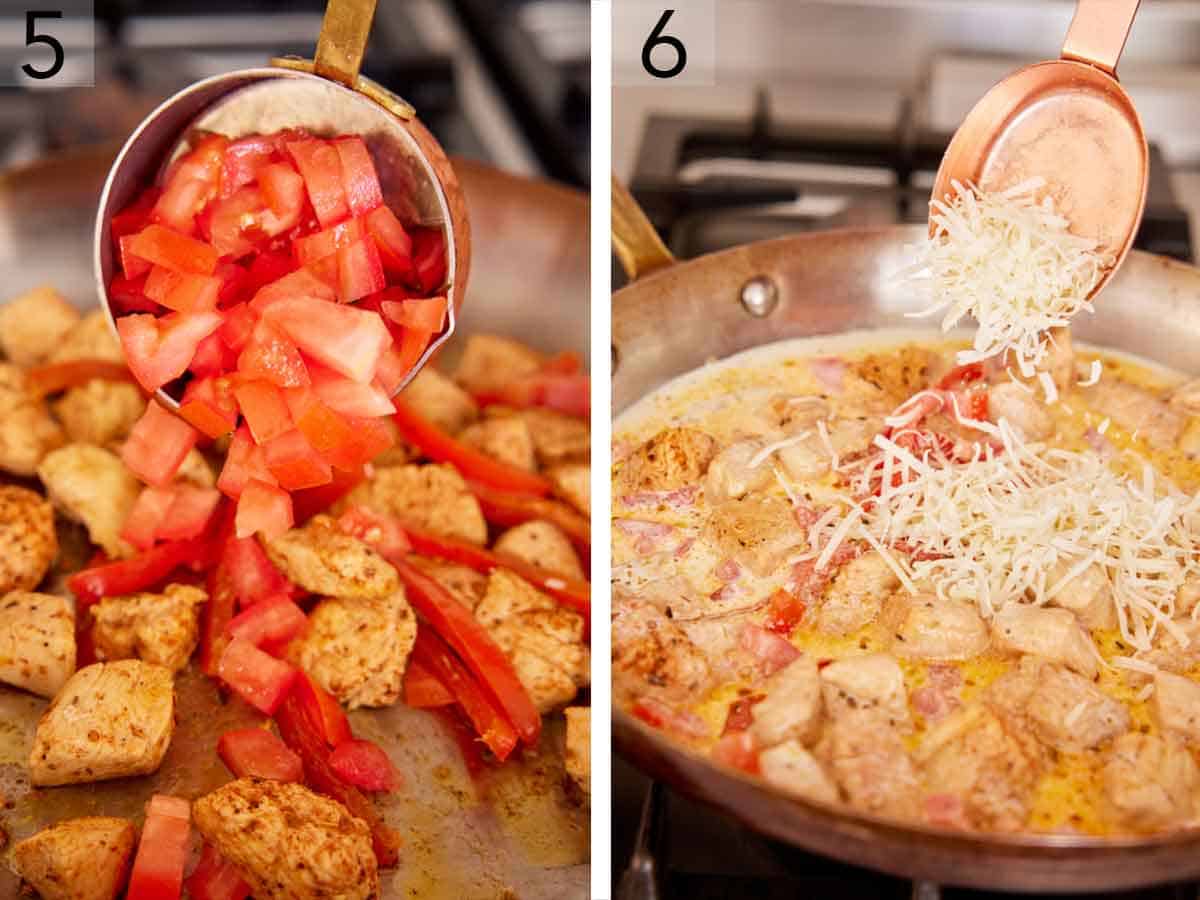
(1051, 633)
(792, 769)
(1060, 359)
(792, 707)
(357, 648)
(543, 640)
(1022, 409)
(1186, 397)
(287, 842)
(756, 531)
(573, 482)
(464, 584)
(490, 361)
(1151, 782)
(32, 325)
(805, 460)
(27, 431)
(1088, 595)
(557, 438)
(91, 338)
(100, 412)
(673, 458)
(321, 558)
(869, 762)
(926, 626)
(873, 682)
(1177, 705)
(431, 498)
(1188, 595)
(507, 440)
(1071, 714)
(1137, 409)
(579, 746)
(441, 401)
(1167, 653)
(91, 485)
(110, 720)
(28, 542)
(793, 413)
(855, 595)
(77, 859)
(732, 475)
(899, 373)
(653, 652)
(543, 545)
(37, 642)
(157, 628)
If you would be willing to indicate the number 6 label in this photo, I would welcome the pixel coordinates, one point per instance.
(54, 45)
(658, 39)
(664, 45)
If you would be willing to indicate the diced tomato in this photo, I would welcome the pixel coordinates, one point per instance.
(253, 576)
(390, 372)
(239, 324)
(193, 293)
(413, 342)
(424, 314)
(157, 445)
(318, 500)
(741, 714)
(128, 576)
(263, 509)
(244, 461)
(360, 182)
(159, 350)
(172, 250)
(350, 398)
(360, 271)
(567, 362)
(370, 437)
(507, 508)
(363, 764)
(784, 612)
(258, 678)
(146, 517)
(771, 651)
(422, 689)
(739, 750)
(131, 264)
(657, 714)
(264, 409)
(295, 463)
(299, 284)
(321, 168)
(323, 709)
(326, 243)
(395, 246)
(54, 378)
(258, 753)
(209, 405)
(235, 284)
(960, 376)
(271, 356)
(283, 189)
(216, 878)
(267, 268)
(190, 514)
(429, 259)
(381, 532)
(269, 621)
(344, 338)
(221, 606)
(129, 296)
(134, 217)
(212, 358)
(324, 429)
(160, 282)
(162, 853)
(242, 222)
(243, 162)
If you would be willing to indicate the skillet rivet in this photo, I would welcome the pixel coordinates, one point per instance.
(760, 296)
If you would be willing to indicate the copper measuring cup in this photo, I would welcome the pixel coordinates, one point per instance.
(326, 95)
(1069, 121)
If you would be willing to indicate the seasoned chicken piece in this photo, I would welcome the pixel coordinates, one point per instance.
(1022, 408)
(441, 401)
(157, 628)
(322, 559)
(573, 482)
(1150, 782)
(1188, 595)
(1167, 653)
(490, 361)
(1137, 409)
(32, 325)
(856, 593)
(287, 842)
(579, 746)
(557, 437)
(1177, 705)
(1071, 714)
(28, 542)
(926, 626)
(805, 460)
(792, 707)
(543, 545)
(991, 765)
(543, 640)
(1088, 595)
(1009, 694)
(110, 720)
(1051, 633)
(793, 413)
(507, 440)
(92, 486)
(869, 762)
(432, 498)
(37, 642)
(872, 682)
(899, 373)
(792, 769)
(673, 458)
(464, 584)
(100, 412)
(77, 859)
(757, 531)
(91, 338)
(357, 647)
(1186, 397)
(654, 652)
(27, 431)
(732, 473)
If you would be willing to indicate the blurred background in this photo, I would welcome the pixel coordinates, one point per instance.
(501, 81)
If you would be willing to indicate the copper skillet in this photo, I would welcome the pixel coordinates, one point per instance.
(512, 832)
(682, 315)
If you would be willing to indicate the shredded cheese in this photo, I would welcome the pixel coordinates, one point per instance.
(1093, 375)
(1103, 426)
(1048, 387)
(766, 452)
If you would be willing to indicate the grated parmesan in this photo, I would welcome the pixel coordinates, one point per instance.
(1093, 375)
(766, 452)
(1048, 387)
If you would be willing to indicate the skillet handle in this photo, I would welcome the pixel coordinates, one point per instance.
(1098, 32)
(638, 247)
(343, 40)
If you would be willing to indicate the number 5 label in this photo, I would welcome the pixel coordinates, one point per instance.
(664, 44)
(56, 40)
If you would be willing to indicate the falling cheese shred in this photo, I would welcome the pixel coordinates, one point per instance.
(1009, 261)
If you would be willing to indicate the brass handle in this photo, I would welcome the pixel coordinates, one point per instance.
(638, 247)
(1098, 32)
(343, 40)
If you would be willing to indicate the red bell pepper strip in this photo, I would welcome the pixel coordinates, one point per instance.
(473, 464)
(570, 394)
(259, 753)
(254, 576)
(55, 377)
(363, 764)
(460, 629)
(486, 716)
(139, 573)
(216, 878)
(454, 720)
(506, 508)
(218, 612)
(324, 709)
(303, 735)
(422, 689)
